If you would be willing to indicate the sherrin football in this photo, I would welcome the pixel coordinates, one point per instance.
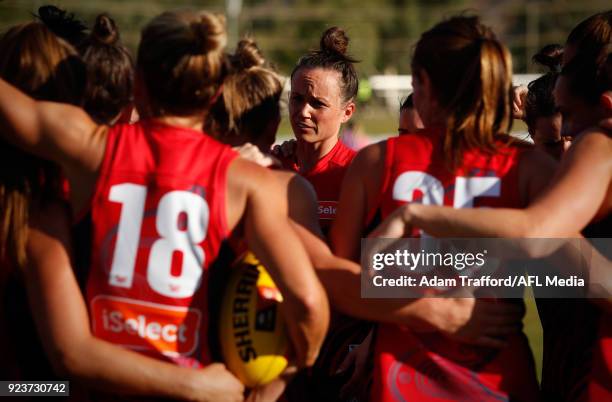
(252, 333)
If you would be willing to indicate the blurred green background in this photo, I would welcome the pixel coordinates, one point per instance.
(382, 32)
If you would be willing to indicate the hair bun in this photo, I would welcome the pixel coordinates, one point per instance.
(62, 24)
(52, 14)
(549, 56)
(248, 54)
(209, 33)
(105, 30)
(334, 40)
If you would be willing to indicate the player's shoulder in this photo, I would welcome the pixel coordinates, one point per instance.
(592, 147)
(245, 174)
(341, 156)
(596, 138)
(292, 179)
(370, 155)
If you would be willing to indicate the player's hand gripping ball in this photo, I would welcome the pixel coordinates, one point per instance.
(252, 332)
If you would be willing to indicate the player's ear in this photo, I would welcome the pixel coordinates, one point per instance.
(605, 100)
(348, 111)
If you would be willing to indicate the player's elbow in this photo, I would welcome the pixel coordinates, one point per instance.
(66, 362)
(71, 359)
(313, 317)
(315, 307)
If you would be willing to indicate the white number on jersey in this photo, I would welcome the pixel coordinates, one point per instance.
(466, 189)
(172, 239)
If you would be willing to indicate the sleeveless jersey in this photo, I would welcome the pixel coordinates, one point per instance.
(158, 221)
(322, 383)
(577, 363)
(430, 367)
(326, 178)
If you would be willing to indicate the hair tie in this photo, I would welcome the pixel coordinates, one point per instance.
(218, 93)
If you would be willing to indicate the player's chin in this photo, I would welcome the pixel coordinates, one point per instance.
(307, 135)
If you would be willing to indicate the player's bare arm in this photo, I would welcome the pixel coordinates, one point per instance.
(60, 313)
(255, 191)
(301, 201)
(363, 180)
(62, 133)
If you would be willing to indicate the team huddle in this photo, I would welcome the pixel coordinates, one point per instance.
(129, 189)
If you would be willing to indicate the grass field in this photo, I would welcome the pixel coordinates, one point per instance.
(533, 329)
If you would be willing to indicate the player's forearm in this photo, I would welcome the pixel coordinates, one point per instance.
(307, 311)
(470, 222)
(342, 280)
(305, 304)
(113, 369)
(306, 328)
(272, 239)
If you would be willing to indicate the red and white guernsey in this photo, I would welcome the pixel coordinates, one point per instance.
(326, 178)
(430, 367)
(158, 217)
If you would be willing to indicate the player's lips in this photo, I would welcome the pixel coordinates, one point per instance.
(304, 126)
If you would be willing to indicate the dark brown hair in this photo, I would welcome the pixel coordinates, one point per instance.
(63, 24)
(181, 59)
(110, 71)
(540, 101)
(332, 55)
(47, 68)
(476, 91)
(250, 96)
(59, 73)
(586, 70)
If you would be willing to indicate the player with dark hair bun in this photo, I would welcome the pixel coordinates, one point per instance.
(541, 115)
(332, 55)
(324, 84)
(110, 68)
(110, 73)
(246, 116)
(63, 24)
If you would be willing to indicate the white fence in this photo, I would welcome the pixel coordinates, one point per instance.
(393, 88)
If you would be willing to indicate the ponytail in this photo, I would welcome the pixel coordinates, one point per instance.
(476, 92)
